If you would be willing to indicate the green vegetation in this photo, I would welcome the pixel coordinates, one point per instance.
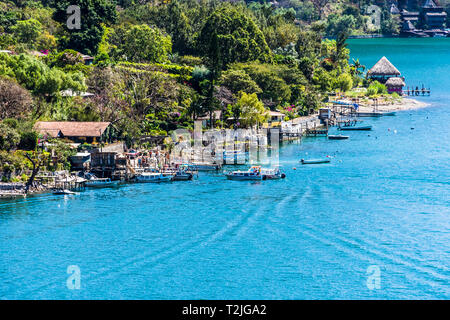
(159, 65)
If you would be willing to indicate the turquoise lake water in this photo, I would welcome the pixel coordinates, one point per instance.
(384, 202)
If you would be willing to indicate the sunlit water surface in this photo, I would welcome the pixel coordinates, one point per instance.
(384, 201)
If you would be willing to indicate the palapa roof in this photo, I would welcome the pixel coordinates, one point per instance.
(71, 128)
(395, 82)
(383, 67)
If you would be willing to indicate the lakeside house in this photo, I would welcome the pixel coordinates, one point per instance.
(426, 20)
(77, 132)
(275, 118)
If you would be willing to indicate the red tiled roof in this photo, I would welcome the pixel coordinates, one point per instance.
(72, 128)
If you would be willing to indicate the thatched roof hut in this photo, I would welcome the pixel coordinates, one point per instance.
(395, 84)
(383, 70)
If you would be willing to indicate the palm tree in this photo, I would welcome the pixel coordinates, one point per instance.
(356, 66)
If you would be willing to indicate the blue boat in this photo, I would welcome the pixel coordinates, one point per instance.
(315, 161)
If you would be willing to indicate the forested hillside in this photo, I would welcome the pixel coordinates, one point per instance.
(158, 65)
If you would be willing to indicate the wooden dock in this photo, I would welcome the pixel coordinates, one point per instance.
(316, 132)
(417, 92)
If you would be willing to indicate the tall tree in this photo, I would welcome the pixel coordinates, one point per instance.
(229, 35)
(94, 13)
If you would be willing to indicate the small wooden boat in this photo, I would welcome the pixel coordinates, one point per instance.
(364, 128)
(315, 161)
(63, 192)
(153, 177)
(338, 137)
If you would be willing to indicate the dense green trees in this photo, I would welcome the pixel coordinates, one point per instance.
(160, 64)
(229, 35)
(144, 44)
(94, 13)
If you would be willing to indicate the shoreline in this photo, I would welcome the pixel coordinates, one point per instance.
(403, 105)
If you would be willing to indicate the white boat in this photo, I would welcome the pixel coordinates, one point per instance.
(253, 174)
(272, 174)
(94, 182)
(182, 173)
(154, 177)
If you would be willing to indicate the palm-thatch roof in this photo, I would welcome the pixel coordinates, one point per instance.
(395, 82)
(382, 68)
(71, 128)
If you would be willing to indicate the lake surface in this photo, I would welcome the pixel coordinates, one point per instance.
(383, 204)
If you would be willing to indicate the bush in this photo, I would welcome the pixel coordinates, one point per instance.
(376, 88)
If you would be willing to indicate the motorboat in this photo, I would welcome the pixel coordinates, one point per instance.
(94, 182)
(351, 128)
(338, 137)
(153, 177)
(272, 174)
(253, 174)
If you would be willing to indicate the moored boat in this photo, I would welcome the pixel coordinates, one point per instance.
(94, 182)
(315, 161)
(153, 177)
(338, 137)
(363, 128)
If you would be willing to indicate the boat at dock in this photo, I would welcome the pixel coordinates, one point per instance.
(351, 128)
(94, 182)
(369, 114)
(315, 161)
(389, 114)
(338, 137)
(153, 177)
